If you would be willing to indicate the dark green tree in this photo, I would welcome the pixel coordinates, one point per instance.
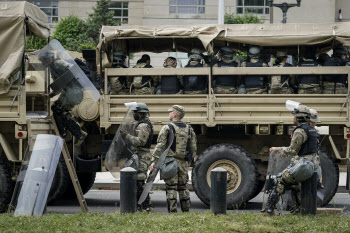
(33, 42)
(101, 16)
(246, 18)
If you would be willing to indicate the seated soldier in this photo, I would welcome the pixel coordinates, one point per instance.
(255, 84)
(226, 84)
(118, 85)
(143, 85)
(171, 84)
(195, 84)
(336, 84)
(281, 84)
(309, 84)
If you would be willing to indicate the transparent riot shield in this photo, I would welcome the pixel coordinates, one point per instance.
(119, 153)
(275, 167)
(35, 178)
(68, 79)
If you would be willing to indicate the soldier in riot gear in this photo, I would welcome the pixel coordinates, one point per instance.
(322, 58)
(255, 84)
(309, 84)
(226, 84)
(140, 145)
(70, 95)
(281, 84)
(303, 144)
(195, 84)
(171, 84)
(118, 85)
(183, 149)
(143, 85)
(336, 84)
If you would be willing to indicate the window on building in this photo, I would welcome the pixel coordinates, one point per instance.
(50, 8)
(253, 6)
(187, 7)
(121, 11)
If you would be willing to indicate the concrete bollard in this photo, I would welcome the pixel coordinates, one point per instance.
(128, 190)
(308, 196)
(218, 178)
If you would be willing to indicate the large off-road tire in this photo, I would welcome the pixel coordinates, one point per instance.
(330, 178)
(242, 174)
(59, 182)
(6, 185)
(261, 184)
(86, 180)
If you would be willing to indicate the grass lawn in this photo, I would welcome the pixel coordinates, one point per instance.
(180, 222)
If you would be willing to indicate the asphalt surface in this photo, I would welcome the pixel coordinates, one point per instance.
(108, 201)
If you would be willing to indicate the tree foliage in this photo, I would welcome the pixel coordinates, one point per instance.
(101, 16)
(246, 18)
(33, 42)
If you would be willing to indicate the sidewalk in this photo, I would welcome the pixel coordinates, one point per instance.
(105, 181)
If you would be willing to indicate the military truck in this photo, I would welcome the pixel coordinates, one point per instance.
(234, 131)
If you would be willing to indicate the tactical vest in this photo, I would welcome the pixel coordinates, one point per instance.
(170, 84)
(308, 79)
(195, 82)
(335, 61)
(226, 80)
(254, 81)
(150, 137)
(182, 135)
(147, 79)
(310, 146)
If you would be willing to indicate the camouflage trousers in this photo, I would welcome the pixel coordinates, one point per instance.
(120, 92)
(329, 88)
(116, 86)
(144, 163)
(281, 90)
(309, 89)
(225, 90)
(196, 92)
(287, 179)
(178, 184)
(144, 91)
(256, 90)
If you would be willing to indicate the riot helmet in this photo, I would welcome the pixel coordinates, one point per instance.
(310, 53)
(300, 111)
(314, 116)
(226, 52)
(195, 54)
(254, 52)
(140, 107)
(118, 57)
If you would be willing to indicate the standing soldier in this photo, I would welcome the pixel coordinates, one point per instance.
(303, 144)
(183, 149)
(171, 84)
(226, 84)
(336, 84)
(143, 85)
(309, 84)
(195, 84)
(118, 85)
(140, 145)
(281, 84)
(255, 84)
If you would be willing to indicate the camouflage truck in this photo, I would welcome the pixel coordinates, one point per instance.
(234, 131)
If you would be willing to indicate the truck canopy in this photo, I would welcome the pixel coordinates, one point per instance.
(17, 19)
(167, 38)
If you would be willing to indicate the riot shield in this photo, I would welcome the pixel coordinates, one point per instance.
(35, 178)
(68, 79)
(119, 153)
(275, 166)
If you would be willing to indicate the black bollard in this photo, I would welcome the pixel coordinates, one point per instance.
(128, 190)
(308, 195)
(218, 178)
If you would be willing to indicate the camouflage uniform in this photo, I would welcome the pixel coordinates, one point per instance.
(328, 88)
(138, 142)
(138, 88)
(218, 89)
(277, 87)
(255, 90)
(118, 85)
(179, 182)
(309, 88)
(203, 91)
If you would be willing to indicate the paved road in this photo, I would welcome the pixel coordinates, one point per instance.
(108, 201)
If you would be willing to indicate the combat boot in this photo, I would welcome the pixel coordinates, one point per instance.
(185, 205)
(172, 205)
(271, 202)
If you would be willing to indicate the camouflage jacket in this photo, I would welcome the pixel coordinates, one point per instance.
(136, 81)
(162, 140)
(298, 138)
(142, 133)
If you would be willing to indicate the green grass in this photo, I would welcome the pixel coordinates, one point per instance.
(181, 222)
